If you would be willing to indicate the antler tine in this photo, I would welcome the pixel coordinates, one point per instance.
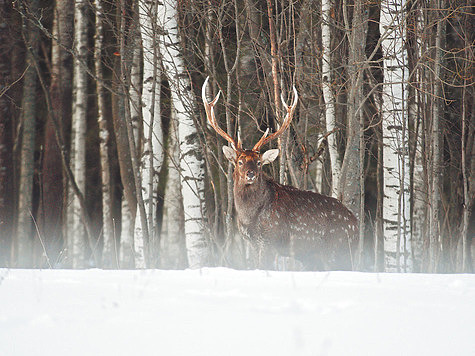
(209, 108)
(294, 103)
(239, 143)
(258, 145)
(287, 120)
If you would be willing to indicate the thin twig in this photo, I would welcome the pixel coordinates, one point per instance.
(41, 240)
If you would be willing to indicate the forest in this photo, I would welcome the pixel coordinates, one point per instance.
(107, 158)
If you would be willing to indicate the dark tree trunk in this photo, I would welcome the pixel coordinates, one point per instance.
(7, 41)
(24, 232)
(351, 166)
(51, 207)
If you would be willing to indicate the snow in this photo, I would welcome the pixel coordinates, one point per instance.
(218, 311)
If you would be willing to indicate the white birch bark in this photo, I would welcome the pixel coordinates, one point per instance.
(191, 159)
(330, 118)
(395, 139)
(76, 229)
(135, 104)
(152, 154)
(143, 148)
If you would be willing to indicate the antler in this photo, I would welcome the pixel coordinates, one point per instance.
(287, 120)
(209, 108)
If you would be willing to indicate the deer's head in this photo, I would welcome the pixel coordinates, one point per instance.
(248, 163)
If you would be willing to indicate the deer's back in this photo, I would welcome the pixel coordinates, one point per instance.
(312, 226)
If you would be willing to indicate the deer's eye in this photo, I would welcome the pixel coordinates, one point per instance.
(240, 163)
(258, 163)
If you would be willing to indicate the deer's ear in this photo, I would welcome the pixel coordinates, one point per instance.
(269, 156)
(229, 153)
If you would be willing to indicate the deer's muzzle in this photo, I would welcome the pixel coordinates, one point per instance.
(250, 177)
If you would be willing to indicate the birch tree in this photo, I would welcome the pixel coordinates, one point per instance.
(134, 51)
(330, 119)
(76, 228)
(395, 138)
(152, 155)
(191, 159)
(132, 136)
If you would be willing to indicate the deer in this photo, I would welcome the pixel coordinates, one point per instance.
(317, 230)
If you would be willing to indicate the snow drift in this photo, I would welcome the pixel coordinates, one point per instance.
(220, 311)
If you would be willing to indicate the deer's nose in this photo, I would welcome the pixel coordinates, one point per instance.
(250, 174)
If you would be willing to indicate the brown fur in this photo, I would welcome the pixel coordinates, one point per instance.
(317, 230)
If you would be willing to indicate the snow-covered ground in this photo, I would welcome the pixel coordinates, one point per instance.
(222, 312)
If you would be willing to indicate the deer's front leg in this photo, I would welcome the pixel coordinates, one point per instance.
(266, 256)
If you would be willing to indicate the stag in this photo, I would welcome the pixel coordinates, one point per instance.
(315, 229)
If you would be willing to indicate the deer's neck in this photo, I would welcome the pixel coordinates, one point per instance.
(251, 199)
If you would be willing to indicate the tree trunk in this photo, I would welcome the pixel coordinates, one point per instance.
(330, 118)
(468, 176)
(395, 139)
(129, 198)
(173, 250)
(468, 155)
(7, 41)
(418, 177)
(349, 189)
(191, 160)
(132, 135)
(27, 149)
(51, 203)
(220, 200)
(152, 155)
(231, 67)
(261, 55)
(419, 197)
(127, 246)
(134, 48)
(436, 169)
(76, 228)
(379, 220)
(109, 251)
(282, 140)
